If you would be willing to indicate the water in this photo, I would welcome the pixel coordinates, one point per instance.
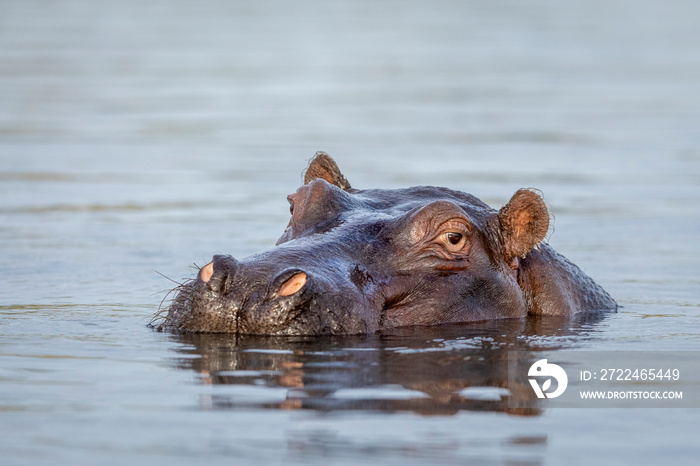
(138, 137)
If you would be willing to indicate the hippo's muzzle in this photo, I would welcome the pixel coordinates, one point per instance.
(260, 297)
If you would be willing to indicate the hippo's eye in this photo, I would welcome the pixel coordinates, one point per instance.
(291, 204)
(454, 241)
(454, 238)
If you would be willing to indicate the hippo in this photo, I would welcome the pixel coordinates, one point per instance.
(359, 261)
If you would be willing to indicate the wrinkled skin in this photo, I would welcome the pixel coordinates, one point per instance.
(360, 261)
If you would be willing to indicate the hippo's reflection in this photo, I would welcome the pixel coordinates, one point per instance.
(433, 370)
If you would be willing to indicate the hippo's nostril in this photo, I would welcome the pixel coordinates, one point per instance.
(293, 284)
(206, 272)
(218, 273)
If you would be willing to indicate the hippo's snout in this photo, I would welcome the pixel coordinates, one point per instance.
(253, 296)
(263, 295)
(220, 276)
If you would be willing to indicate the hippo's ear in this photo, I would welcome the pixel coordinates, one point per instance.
(524, 223)
(323, 166)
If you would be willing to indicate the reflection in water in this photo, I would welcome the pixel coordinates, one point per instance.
(436, 371)
(330, 445)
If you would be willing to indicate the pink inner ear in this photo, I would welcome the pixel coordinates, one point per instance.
(206, 272)
(522, 224)
(323, 166)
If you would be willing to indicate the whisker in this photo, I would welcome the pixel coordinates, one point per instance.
(167, 278)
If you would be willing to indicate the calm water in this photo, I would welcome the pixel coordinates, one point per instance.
(138, 137)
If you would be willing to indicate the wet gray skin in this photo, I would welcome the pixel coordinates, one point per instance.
(360, 261)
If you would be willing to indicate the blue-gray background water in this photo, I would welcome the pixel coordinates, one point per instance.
(144, 136)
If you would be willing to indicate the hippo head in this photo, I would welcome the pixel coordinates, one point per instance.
(356, 261)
